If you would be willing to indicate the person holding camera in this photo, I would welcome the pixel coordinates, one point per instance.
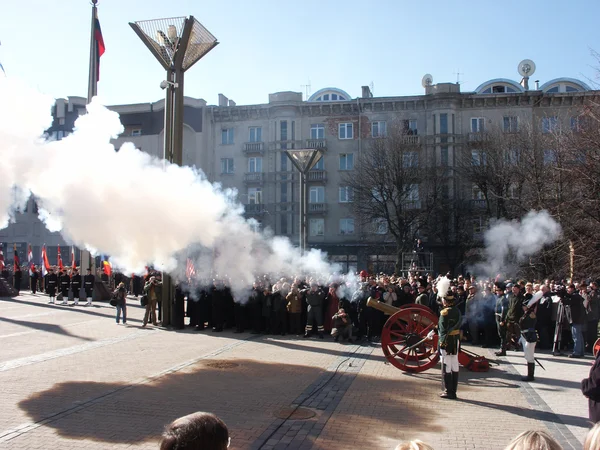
(153, 289)
(120, 296)
(577, 319)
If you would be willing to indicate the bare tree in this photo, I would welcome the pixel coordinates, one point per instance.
(391, 189)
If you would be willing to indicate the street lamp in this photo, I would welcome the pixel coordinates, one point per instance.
(177, 43)
(304, 159)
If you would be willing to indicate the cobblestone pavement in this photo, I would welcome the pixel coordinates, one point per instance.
(71, 378)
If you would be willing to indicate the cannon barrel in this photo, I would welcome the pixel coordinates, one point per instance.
(383, 307)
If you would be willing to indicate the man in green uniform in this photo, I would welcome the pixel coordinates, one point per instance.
(513, 316)
(449, 343)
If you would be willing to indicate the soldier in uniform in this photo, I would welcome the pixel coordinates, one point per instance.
(314, 298)
(500, 311)
(528, 338)
(51, 284)
(513, 316)
(88, 285)
(449, 344)
(75, 286)
(34, 280)
(65, 284)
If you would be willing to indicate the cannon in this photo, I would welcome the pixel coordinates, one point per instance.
(404, 339)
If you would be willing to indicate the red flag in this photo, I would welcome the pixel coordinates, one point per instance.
(1, 258)
(45, 261)
(59, 259)
(99, 43)
(73, 262)
(190, 270)
(107, 267)
(17, 262)
(30, 259)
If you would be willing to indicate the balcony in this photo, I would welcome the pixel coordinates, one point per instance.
(316, 208)
(411, 140)
(254, 147)
(320, 144)
(477, 137)
(254, 177)
(255, 209)
(317, 175)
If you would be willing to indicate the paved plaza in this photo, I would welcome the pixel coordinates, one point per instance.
(71, 378)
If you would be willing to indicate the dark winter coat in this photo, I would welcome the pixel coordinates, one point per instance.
(590, 387)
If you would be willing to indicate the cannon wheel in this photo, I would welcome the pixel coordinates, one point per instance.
(403, 331)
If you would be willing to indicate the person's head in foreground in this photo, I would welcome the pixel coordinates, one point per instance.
(534, 440)
(413, 445)
(197, 431)
(592, 440)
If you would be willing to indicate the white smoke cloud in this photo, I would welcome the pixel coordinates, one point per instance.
(127, 204)
(508, 243)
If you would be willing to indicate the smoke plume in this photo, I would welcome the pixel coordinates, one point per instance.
(127, 204)
(509, 243)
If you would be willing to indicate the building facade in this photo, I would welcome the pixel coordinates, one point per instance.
(243, 147)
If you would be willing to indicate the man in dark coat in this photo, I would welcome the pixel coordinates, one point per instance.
(75, 286)
(65, 284)
(590, 387)
(33, 280)
(88, 285)
(51, 284)
(314, 298)
(17, 279)
(577, 320)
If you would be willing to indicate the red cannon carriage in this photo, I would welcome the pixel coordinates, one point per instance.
(405, 344)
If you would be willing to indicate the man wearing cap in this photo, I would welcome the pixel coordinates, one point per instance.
(449, 343)
(51, 283)
(65, 285)
(501, 311)
(528, 337)
(577, 320)
(513, 315)
(422, 298)
(75, 286)
(314, 297)
(474, 310)
(88, 285)
(593, 314)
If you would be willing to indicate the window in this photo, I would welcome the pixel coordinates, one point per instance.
(549, 124)
(549, 157)
(345, 131)
(320, 165)
(410, 126)
(227, 136)
(571, 89)
(136, 132)
(410, 159)
(326, 97)
(334, 96)
(376, 195)
(378, 129)
(346, 194)
(255, 134)
(380, 226)
(499, 89)
(510, 124)
(576, 124)
(478, 225)
(412, 197)
(283, 134)
(477, 124)
(347, 161)
(317, 194)
(255, 164)
(512, 157)
(346, 226)
(317, 131)
(227, 165)
(316, 227)
(478, 158)
(254, 196)
(444, 155)
(476, 193)
(444, 123)
(513, 191)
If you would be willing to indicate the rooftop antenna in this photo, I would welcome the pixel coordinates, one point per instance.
(372, 87)
(306, 88)
(458, 73)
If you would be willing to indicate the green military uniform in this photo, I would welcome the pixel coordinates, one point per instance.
(513, 315)
(449, 343)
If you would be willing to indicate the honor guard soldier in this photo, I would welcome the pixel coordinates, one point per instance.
(65, 284)
(75, 286)
(88, 285)
(449, 340)
(51, 283)
(529, 336)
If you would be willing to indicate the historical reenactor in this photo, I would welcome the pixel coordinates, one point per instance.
(65, 283)
(33, 280)
(17, 278)
(529, 335)
(88, 285)
(75, 286)
(449, 340)
(51, 284)
(314, 298)
(513, 316)
(501, 311)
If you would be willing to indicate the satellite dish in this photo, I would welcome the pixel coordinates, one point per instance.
(526, 68)
(427, 80)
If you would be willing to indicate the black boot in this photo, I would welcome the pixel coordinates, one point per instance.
(530, 372)
(502, 351)
(445, 383)
(454, 385)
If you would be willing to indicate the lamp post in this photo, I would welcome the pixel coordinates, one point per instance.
(304, 159)
(177, 43)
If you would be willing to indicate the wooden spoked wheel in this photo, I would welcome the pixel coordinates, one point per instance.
(404, 342)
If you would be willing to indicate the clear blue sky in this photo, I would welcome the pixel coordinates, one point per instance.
(268, 45)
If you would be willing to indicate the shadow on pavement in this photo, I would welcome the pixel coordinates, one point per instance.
(245, 397)
(46, 327)
(530, 413)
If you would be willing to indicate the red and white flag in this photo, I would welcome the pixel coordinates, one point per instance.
(1, 258)
(59, 260)
(190, 270)
(30, 260)
(45, 263)
(73, 262)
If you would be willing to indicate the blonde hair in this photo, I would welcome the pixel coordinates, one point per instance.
(534, 439)
(592, 440)
(413, 445)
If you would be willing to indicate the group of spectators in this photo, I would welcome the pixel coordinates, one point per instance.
(205, 431)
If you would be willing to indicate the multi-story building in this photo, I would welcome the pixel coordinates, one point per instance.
(243, 147)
